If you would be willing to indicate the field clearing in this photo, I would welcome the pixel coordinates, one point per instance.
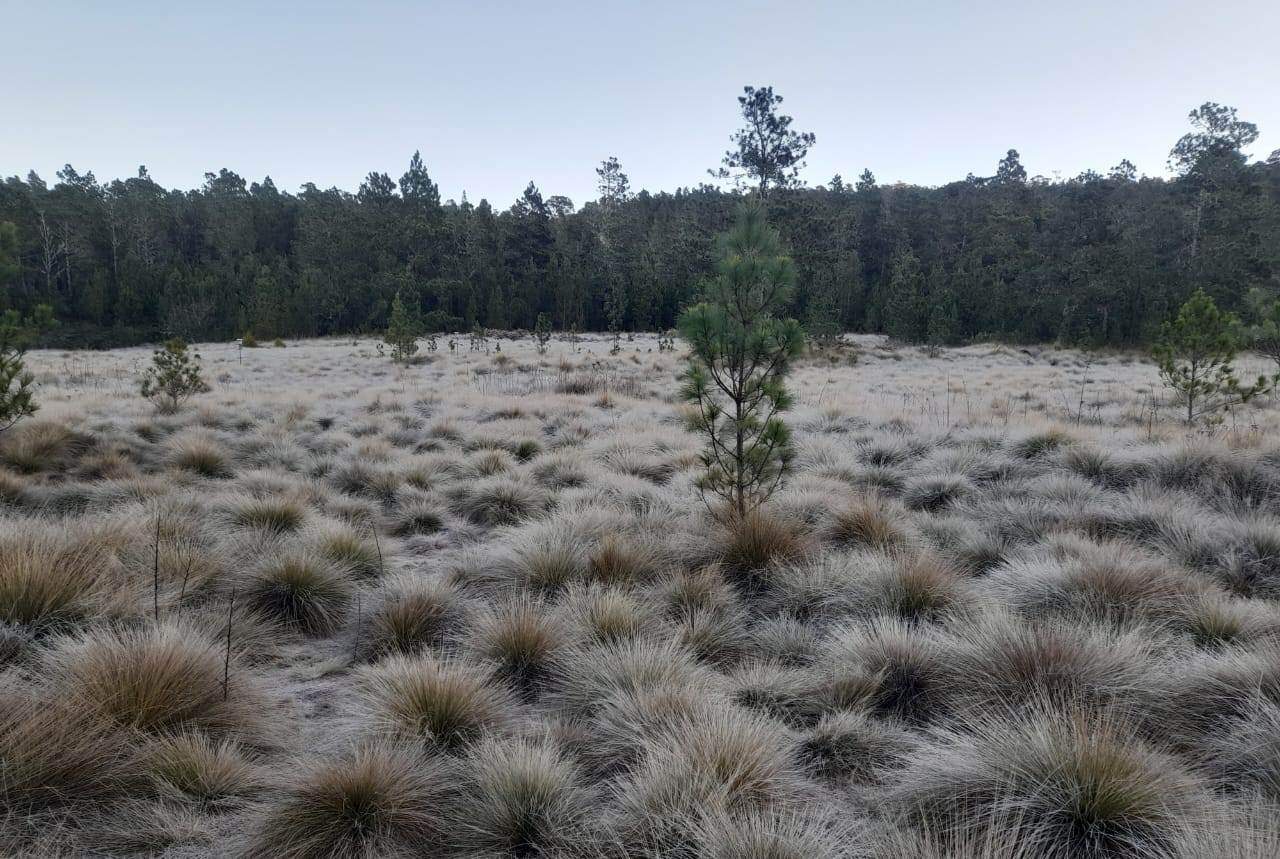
(1006, 605)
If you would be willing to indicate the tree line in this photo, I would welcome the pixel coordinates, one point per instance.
(1100, 259)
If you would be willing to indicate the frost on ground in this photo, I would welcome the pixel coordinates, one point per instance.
(1005, 606)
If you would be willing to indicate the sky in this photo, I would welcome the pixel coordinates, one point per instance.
(498, 94)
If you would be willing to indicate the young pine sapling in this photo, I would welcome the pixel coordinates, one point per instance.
(740, 355)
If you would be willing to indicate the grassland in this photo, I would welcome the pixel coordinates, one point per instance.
(1006, 605)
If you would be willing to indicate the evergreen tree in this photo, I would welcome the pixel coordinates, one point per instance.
(905, 312)
(766, 151)
(1264, 328)
(740, 355)
(542, 333)
(402, 332)
(944, 318)
(822, 320)
(173, 377)
(1195, 354)
(17, 386)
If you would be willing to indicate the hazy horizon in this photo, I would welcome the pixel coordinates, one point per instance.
(495, 95)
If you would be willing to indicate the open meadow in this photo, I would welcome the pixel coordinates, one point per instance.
(1005, 604)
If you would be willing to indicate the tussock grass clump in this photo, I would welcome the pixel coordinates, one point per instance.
(1247, 755)
(854, 748)
(277, 514)
(1073, 578)
(1250, 565)
(416, 614)
(519, 798)
(751, 543)
(53, 750)
(13, 642)
(376, 800)
(1217, 620)
(159, 679)
(780, 692)
(15, 491)
(623, 561)
(1042, 444)
(47, 577)
(447, 704)
(190, 765)
(1102, 467)
(200, 454)
(716, 637)
(786, 639)
(562, 471)
(936, 492)
(489, 462)
(869, 522)
(584, 677)
(604, 614)
(617, 730)
(889, 668)
(917, 587)
(36, 446)
(1083, 786)
(417, 515)
(301, 590)
(1206, 695)
(361, 478)
(771, 835)
(349, 550)
(726, 760)
(500, 501)
(1008, 665)
(520, 636)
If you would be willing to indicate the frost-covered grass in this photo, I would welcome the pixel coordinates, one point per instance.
(1006, 605)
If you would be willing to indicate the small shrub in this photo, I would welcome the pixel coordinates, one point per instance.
(173, 377)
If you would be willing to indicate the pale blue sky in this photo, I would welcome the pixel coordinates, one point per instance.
(496, 94)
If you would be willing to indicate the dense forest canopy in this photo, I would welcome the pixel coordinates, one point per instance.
(1098, 259)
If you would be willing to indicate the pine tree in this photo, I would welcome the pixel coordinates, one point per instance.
(822, 316)
(402, 332)
(542, 333)
(173, 377)
(904, 311)
(740, 355)
(17, 393)
(944, 318)
(1195, 351)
